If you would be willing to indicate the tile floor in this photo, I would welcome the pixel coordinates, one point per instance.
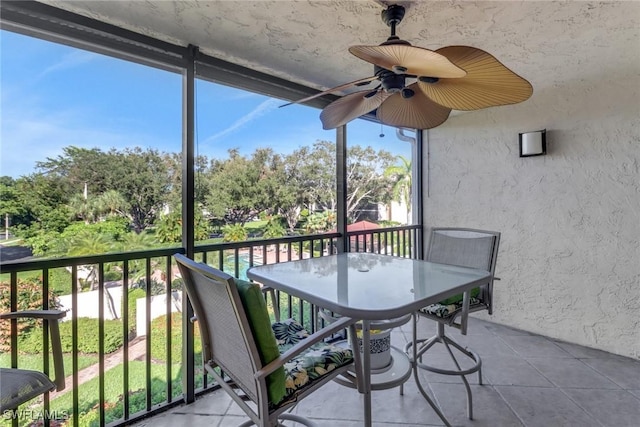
(529, 380)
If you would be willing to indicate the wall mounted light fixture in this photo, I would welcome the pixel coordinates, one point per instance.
(533, 143)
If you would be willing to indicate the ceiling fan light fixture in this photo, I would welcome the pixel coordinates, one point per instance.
(399, 69)
(407, 93)
(424, 79)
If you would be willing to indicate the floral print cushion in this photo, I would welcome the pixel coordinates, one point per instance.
(444, 311)
(309, 366)
(288, 333)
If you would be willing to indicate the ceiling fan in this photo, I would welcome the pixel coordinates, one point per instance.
(419, 87)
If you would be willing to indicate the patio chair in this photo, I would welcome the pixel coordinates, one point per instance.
(266, 369)
(18, 386)
(466, 248)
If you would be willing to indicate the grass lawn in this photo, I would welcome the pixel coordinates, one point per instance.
(114, 380)
(88, 393)
(14, 241)
(34, 362)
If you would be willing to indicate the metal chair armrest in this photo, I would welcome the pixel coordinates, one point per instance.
(51, 317)
(34, 314)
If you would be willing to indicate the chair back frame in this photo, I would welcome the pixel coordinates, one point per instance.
(227, 339)
(489, 264)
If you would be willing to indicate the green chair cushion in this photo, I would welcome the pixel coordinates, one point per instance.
(308, 367)
(258, 316)
(457, 299)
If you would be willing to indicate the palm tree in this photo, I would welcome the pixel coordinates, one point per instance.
(87, 243)
(137, 267)
(113, 203)
(84, 208)
(401, 176)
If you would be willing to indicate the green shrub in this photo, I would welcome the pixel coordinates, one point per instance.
(176, 284)
(60, 281)
(112, 276)
(234, 233)
(274, 228)
(87, 337)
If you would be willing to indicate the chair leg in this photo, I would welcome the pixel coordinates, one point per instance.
(446, 340)
(470, 354)
(440, 337)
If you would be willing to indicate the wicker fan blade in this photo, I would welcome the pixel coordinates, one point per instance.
(405, 59)
(351, 106)
(417, 112)
(488, 83)
(333, 89)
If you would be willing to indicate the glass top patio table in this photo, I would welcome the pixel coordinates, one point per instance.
(370, 287)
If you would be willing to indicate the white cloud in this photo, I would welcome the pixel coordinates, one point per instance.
(30, 134)
(262, 109)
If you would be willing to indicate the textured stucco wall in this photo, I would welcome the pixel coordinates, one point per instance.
(569, 256)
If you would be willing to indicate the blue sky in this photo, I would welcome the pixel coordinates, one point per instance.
(54, 96)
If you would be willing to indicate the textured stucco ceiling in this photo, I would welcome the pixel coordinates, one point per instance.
(549, 43)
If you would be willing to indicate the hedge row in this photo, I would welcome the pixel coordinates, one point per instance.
(31, 342)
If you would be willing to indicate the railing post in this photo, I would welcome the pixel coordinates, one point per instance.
(418, 190)
(341, 188)
(188, 216)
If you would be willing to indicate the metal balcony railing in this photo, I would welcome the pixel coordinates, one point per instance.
(122, 333)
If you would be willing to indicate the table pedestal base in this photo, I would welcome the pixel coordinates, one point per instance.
(397, 373)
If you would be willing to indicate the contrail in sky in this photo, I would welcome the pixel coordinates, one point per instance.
(259, 111)
(70, 60)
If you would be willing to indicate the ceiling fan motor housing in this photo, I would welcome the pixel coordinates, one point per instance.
(391, 82)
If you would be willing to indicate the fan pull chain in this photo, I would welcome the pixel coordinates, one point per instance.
(381, 131)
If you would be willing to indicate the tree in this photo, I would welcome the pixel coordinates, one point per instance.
(401, 176)
(85, 209)
(320, 222)
(89, 243)
(174, 171)
(170, 226)
(289, 199)
(365, 180)
(79, 167)
(42, 201)
(241, 188)
(112, 203)
(9, 200)
(137, 242)
(317, 168)
(141, 177)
